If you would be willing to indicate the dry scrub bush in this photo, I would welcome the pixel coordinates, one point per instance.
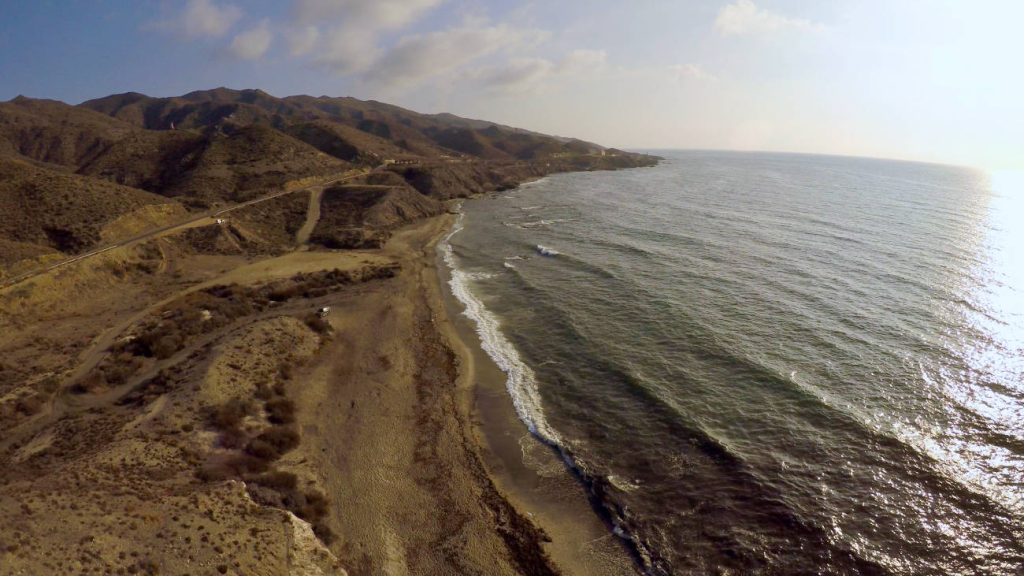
(273, 443)
(318, 324)
(234, 466)
(230, 414)
(280, 411)
(280, 489)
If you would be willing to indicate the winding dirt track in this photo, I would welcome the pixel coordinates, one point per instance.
(312, 216)
(198, 220)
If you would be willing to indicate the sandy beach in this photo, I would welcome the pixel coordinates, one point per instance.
(391, 415)
(380, 437)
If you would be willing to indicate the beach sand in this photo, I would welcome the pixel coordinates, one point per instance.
(408, 426)
(408, 452)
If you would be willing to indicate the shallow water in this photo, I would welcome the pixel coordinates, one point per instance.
(769, 363)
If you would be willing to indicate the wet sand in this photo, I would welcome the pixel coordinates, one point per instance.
(531, 474)
(408, 426)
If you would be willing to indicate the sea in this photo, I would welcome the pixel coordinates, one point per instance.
(762, 363)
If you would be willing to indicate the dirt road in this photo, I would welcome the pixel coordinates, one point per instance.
(312, 217)
(205, 219)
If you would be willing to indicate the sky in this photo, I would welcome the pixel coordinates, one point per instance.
(931, 80)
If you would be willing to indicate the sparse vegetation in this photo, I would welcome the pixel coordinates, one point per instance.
(185, 321)
(280, 410)
(188, 398)
(54, 210)
(273, 443)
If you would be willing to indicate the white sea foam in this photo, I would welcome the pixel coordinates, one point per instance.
(479, 275)
(545, 251)
(530, 207)
(533, 183)
(521, 382)
(509, 265)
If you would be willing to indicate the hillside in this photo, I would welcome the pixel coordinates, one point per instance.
(423, 136)
(48, 210)
(53, 132)
(363, 216)
(216, 308)
(68, 171)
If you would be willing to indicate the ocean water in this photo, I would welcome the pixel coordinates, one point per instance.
(768, 363)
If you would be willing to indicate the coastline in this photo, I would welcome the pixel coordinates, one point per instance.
(407, 424)
(386, 419)
(401, 452)
(532, 475)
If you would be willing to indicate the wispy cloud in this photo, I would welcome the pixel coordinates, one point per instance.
(744, 17)
(348, 31)
(383, 44)
(516, 75)
(519, 75)
(376, 14)
(302, 39)
(691, 72)
(204, 18)
(419, 57)
(253, 43)
(584, 61)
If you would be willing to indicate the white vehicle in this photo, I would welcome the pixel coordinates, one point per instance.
(323, 312)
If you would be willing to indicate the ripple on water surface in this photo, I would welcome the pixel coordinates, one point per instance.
(770, 363)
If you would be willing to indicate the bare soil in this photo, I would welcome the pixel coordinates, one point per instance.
(194, 415)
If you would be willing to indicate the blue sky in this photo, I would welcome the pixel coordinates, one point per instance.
(935, 80)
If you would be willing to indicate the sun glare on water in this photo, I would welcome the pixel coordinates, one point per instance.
(1006, 252)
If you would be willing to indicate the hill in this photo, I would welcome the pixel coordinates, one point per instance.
(68, 171)
(221, 162)
(423, 136)
(53, 132)
(48, 210)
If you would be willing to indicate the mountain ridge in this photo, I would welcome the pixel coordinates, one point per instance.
(211, 148)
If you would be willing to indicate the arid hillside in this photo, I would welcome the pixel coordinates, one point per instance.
(216, 309)
(413, 135)
(52, 211)
(70, 171)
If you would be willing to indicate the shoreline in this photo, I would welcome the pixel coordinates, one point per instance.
(386, 414)
(400, 449)
(528, 472)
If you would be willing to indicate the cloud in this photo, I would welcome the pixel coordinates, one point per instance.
(376, 14)
(581, 61)
(417, 58)
(348, 51)
(744, 17)
(519, 75)
(352, 27)
(253, 43)
(691, 72)
(205, 18)
(302, 40)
